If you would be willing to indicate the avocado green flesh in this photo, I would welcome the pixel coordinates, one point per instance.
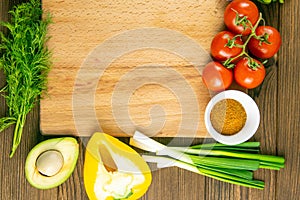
(69, 149)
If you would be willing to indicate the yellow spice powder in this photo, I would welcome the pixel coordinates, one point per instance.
(228, 116)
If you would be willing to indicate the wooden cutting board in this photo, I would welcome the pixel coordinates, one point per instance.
(121, 65)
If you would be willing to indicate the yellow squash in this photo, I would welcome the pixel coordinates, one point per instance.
(113, 170)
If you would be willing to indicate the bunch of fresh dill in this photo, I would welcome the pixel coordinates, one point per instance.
(25, 62)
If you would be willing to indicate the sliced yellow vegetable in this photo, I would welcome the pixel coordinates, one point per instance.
(113, 170)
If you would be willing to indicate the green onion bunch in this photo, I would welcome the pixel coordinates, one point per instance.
(233, 164)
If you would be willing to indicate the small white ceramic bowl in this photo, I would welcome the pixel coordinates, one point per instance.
(252, 122)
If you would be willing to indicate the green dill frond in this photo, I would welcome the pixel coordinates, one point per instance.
(25, 61)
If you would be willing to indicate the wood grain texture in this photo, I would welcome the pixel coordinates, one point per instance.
(279, 134)
(129, 65)
(288, 140)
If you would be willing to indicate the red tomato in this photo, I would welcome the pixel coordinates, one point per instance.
(247, 77)
(216, 77)
(219, 48)
(265, 49)
(244, 8)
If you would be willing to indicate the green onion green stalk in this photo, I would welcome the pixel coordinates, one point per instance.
(233, 164)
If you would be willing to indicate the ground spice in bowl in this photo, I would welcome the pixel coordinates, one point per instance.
(228, 116)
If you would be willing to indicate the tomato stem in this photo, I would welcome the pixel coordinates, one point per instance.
(252, 64)
(243, 21)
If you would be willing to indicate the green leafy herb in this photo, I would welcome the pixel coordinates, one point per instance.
(25, 62)
(270, 1)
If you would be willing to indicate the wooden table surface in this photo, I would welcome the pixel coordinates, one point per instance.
(278, 133)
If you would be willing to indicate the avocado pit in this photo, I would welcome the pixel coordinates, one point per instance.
(49, 163)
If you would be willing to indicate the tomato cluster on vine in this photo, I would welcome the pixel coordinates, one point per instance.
(237, 51)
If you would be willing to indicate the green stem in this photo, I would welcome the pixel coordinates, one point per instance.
(23, 119)
(3, 89)
(233, 172)
(221, 176)
(269, 167)
(244, 52)
(228, 163)
(5, 122)
(238, 177)
(18, 133)
(230, 179)
(271, 164)
(216, 145)
(260, 157)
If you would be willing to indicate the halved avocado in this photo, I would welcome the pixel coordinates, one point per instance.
(51, 162)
